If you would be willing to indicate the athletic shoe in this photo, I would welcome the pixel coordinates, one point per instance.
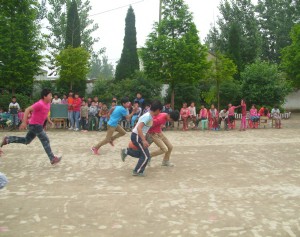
(111, 143)
(134, 173)
(70, 128)
(95, 151)
(167, 163)
(123, 154)
(76, 129)
(4, 141)
(55, 160)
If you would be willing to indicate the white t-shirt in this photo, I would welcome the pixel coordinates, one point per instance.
(56, 101)
(147, 120)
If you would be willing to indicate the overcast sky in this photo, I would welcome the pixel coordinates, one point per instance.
(111, 21)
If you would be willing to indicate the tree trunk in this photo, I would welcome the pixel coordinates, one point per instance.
(173, 98)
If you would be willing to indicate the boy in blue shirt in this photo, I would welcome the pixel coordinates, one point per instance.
(138, 138)
(113, 124)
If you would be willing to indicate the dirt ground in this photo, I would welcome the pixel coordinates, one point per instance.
(225, 183)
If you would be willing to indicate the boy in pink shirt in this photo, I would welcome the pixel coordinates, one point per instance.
(244, 114)
(156, 135)
(203, 115)
(39, 112)
(231, 116)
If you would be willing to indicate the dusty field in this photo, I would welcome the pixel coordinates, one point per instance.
(224, 184)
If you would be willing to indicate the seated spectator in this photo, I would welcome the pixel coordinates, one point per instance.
(223, 116)
(275, 114)
(203, 115)
(185, 114)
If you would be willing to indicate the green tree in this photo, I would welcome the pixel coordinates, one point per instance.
(276, 19)
(74, 62)
(129, 61)
(237, 33)
(73, 37)
(57, 17)
(128, 87)
(263, 84)
(222, 70)
(100, 68)
(173, 52)
(291, 57)
(20, 44)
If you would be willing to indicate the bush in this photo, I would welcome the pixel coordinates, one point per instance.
(23, 100)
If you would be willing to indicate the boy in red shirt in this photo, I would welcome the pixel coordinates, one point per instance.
(39, 112)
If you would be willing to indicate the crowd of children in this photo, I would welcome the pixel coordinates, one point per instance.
(212, 118)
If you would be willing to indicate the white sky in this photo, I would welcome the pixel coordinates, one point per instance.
(112, 22)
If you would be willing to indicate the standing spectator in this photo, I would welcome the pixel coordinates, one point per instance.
(213, 117)
(89, 101)
(84, 116)
(244, 114)
(70, 110)
(275, 114)
(185, 114)
(139, 99)
(231, 116)
(103, 113)
(56, 100)
(96, 100)
(76, 110)
(64, 100)
(13, 110)
(167, 109)
(193, 114)
(93, 110)
(203, 115)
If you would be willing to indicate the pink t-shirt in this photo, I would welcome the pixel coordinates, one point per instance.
(231, 110)
(158, 120)
(40, 112)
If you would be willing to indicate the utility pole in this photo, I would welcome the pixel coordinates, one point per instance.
(160, 6)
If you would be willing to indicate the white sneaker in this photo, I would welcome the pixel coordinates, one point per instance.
(70, 128)
(76, 129)
(167, 163)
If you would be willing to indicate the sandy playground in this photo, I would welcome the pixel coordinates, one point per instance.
(224, 184)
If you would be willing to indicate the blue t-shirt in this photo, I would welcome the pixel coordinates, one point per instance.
(117, 115)
(147, 120)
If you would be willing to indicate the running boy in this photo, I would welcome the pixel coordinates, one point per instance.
(116, 115)
(156, 135)
(39, 114)
(138, 138)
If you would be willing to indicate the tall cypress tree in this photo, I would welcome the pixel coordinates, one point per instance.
(129, 61)
(20, 44)
(73, 37)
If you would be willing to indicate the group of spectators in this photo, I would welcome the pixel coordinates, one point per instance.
(211, 118)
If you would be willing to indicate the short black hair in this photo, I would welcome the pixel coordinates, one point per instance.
(13, 97)
(156, 105)
(174, 115)
(45, 92)
(124, 100)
